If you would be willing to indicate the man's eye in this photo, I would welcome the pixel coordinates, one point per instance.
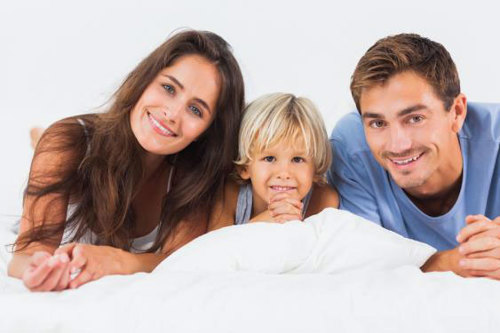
(297, 159)
(269, 158)
(416, 119)
(169, 88)
(195, 111)
(377, 124)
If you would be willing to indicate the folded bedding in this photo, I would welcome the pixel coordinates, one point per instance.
(334, 272)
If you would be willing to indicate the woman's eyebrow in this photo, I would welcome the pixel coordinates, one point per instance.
(175, 81)
(197, 99)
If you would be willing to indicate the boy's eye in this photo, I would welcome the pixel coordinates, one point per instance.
(269, 159)
(169, 88)
(195, 111)
(298, 159)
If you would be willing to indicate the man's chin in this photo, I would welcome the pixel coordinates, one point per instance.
(407, 182)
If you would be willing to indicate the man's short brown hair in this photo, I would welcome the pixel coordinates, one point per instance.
(407, 52)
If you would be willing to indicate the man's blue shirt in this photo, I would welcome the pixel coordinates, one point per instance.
(368, 190)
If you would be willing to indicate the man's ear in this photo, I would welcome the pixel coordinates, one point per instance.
(243, 172)
(459, 112)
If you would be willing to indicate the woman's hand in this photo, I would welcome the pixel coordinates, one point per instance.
(91, 262)
(47, 272)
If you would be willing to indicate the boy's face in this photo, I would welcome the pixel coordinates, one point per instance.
(283, 168)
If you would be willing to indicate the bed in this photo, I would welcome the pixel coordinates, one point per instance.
(335, 272)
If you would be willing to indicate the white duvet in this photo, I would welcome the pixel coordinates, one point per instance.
(335, 272)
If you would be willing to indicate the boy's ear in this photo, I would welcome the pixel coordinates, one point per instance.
(243, 172)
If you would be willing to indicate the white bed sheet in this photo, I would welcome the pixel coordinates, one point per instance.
(333, 273)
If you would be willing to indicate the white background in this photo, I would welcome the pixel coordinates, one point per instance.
(61, 58)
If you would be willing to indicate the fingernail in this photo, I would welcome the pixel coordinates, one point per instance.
(461, 249)
(64, 258)
(462, 262)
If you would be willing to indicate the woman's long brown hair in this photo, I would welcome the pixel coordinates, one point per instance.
(106, 166)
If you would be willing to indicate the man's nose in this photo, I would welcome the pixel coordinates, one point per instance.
(399, 140)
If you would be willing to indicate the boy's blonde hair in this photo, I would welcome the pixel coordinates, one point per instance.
(282, 117)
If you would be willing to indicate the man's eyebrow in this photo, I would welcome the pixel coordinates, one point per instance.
(411, 109)
(175, 80)
(372, 115)
(401, 113)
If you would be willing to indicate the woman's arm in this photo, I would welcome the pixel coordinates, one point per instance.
(32, 260)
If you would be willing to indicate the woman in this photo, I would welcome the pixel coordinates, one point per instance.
(127, 187)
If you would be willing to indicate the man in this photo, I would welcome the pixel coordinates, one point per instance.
(418, 159)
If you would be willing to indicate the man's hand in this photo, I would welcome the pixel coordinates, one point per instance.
(480, 246)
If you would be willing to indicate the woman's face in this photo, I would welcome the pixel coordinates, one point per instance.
(177, 106)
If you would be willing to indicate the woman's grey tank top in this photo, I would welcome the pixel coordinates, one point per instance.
(139, 244)
(245, 200)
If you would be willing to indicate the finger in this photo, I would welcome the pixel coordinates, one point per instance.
(64, 279)
(480, 264)
(68, 249)
(78, 258)
(288, 210)
(475, 218)
(494, 232)
(282, 218)
(286, 201)
(39, 257)
(479, 245)
(473, 229)
(35, 276)
(493, 253)
(82, 278)
(52, 280)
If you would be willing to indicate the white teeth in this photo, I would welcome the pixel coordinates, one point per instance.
(403, 162)
(163, 129)
(281, 188)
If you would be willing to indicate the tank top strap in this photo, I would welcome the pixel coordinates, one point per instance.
(305, 201)
(244, 204)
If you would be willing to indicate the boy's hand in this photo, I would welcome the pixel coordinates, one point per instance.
(284, 207)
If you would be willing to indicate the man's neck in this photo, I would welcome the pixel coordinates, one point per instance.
(439, 203)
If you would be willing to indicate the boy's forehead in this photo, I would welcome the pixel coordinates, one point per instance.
(295, 145)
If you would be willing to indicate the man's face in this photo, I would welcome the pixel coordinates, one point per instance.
(411, 134)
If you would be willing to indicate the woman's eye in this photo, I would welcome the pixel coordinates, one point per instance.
(297, 159)
(269, 158)
(195, 111)
(169, 88)
(377, 124)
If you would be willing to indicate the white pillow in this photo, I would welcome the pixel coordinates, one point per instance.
(330, 242)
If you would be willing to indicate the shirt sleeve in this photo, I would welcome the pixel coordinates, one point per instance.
(349, 176)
